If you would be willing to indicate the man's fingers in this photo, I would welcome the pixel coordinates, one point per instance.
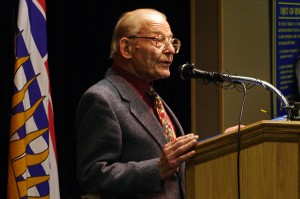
(180, 146)
(182, 140)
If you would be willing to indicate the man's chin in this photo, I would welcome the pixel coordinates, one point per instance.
(164, 74)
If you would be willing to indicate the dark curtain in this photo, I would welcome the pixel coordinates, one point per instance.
(79, 36)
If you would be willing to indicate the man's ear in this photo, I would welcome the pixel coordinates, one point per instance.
(125, 48)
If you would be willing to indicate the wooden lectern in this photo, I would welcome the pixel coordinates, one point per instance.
(268, 166)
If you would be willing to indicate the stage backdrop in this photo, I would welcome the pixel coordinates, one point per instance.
(79, 35)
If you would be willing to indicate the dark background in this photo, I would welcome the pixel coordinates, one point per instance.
(79, 36)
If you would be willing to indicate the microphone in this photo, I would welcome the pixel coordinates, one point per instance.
(187, 71)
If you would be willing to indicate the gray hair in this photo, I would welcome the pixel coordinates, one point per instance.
(130, 23)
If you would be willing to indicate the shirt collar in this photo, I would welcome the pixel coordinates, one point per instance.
(140, 86)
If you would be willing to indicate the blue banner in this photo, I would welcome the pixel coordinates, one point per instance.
(286, 49)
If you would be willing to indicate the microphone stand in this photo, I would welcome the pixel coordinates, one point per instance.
(234, 78)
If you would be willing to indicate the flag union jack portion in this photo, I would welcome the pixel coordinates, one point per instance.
(32, 165)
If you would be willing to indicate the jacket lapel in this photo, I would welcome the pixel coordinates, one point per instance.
(138, 108)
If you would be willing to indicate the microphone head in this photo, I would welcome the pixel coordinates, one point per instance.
(185, 71)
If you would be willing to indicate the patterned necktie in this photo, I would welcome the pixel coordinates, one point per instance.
(162, 115)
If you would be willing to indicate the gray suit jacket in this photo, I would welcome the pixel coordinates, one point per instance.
(119, 141)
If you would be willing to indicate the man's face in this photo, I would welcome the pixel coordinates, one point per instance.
(151, 58)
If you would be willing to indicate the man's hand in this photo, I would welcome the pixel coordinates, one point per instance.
(233, 128)
(176, 152)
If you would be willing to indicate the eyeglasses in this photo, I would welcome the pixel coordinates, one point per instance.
(162, 42)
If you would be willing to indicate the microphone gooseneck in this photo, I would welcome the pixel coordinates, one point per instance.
(187, 71)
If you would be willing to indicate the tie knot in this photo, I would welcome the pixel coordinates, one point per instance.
(152, 94)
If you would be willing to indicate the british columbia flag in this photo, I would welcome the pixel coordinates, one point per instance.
(32, 164)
